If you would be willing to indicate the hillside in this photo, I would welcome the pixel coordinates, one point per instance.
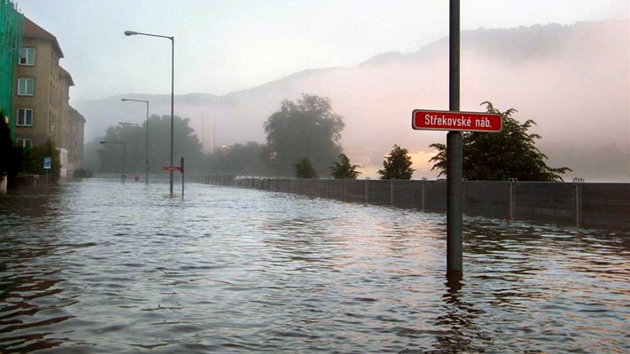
(572, 80)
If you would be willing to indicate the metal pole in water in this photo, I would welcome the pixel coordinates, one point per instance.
(454, 157)
(122, 175)
(181, 165)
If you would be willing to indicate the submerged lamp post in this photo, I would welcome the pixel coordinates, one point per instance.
(172, 38)
(146, 153)
(124, 144)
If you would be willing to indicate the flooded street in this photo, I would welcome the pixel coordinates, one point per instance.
(101, 267)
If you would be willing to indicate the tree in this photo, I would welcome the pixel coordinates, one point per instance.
(34, 160)
(185, 144)
(304, 169)
(342, 169)
(251, 159)
(307, 127)
(512, 153)
(397, 165)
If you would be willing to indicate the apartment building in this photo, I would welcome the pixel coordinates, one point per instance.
(41, 99)
(74, 141)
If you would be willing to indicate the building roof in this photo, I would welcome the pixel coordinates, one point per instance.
(67, 76)
(33, 31)
(75, 114)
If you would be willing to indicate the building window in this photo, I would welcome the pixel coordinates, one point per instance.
(27, 56)
(24, 142)
(25, 117)
(26, 86)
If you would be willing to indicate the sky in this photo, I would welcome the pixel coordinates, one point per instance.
(223, 46)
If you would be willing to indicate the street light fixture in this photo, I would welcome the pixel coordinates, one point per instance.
(136, 164)
(146, 157)
(124, 144)
(172, 38)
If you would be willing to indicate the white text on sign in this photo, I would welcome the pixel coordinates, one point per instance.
(464, 121)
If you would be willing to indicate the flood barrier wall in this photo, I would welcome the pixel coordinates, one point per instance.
(587, 205)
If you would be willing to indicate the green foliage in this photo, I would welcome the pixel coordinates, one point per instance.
(241, 160)
(307, 127)
(34, 161)
(185, 144)
(512, 153)
(11, 156)
(304, 169)
(397, 165)
(342, 169)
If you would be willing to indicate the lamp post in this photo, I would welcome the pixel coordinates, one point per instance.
(146, 153)
(172, 38)
(124, 144)
(135, 157)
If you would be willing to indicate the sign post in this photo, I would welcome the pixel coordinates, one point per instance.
(47, 166)
(181, 165)
(454, 159)
(454, 122)
(177, 168)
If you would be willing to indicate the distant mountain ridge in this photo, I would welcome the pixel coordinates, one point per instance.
(519, 43)
(565, 77)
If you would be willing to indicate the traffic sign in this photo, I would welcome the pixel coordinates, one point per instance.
(422, 119)
(171, 168)
(47, 163)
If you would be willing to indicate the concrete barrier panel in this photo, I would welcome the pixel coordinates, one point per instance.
(435, 196)
(545, 201)
(489, 199)
(606, 205)
(379, 192)
(593, 205)
(408, 194)
(355, 191)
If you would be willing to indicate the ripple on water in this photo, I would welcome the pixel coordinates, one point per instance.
(102, 267)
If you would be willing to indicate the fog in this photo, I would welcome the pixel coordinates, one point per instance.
(573, 81)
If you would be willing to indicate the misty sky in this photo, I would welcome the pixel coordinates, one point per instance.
(223, 46)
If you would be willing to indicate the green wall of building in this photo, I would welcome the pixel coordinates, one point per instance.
(11, 34)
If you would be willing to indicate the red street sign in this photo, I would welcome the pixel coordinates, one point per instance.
(171, 168)
(422, 119)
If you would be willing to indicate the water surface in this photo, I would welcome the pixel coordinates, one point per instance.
(101, 267)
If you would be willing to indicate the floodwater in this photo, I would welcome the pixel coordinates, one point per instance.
(101, 267)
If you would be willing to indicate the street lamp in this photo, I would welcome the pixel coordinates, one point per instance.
(135, 158)
(146, 156)
(172, 38)
(124, 144)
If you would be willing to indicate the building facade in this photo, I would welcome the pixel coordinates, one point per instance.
(74, 141)
(41, 99)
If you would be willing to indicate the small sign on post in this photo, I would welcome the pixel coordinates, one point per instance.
(454, 122)
(422, 119)
(47, 163)
(47, 166)
(177, 168)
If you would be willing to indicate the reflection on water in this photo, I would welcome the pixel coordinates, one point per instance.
(458, 317)
(97, 266)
